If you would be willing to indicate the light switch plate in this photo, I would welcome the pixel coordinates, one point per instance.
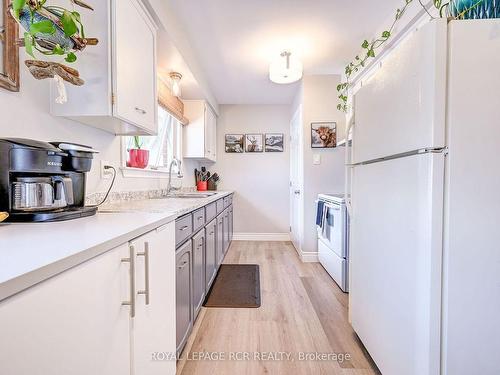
(316, 159)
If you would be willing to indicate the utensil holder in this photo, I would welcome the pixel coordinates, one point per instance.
(212, 186)
(202, 185)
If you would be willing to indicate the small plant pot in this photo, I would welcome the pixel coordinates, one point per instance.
(202, 185)
(472, 9)
(138, 158)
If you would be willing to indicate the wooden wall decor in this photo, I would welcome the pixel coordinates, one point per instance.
(9, 70)
(172, 104)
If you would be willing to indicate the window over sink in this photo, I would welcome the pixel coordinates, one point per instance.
(152, 155)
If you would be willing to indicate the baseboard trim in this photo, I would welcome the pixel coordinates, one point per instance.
(309, 257)
(306, 257)
(261, 237)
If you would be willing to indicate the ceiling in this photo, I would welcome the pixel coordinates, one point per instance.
(235, 40)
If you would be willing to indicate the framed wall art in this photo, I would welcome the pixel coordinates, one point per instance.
(235, 143)
(274, 142)
(323, 134)
(254, 143)
(9, 50)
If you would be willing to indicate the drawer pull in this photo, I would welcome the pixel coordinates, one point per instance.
(183, 265)
(145, 254)
(184, 228)
(140, 110)
(131, 261)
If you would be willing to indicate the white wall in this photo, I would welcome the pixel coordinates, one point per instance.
(318, 97)
(26, 115)
(260, 180)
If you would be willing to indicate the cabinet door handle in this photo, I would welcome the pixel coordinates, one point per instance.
(131, 261)
(145, 254)
(212, 232)
(140, 110)
(183, 265)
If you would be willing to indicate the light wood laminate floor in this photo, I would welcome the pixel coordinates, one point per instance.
(303, 311)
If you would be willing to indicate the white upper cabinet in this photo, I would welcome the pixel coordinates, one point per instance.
(119, 94)
(200, 136)
(135, 62)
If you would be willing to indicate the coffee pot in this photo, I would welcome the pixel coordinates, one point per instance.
(42, 181)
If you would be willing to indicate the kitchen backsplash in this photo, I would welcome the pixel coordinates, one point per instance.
(121, 196)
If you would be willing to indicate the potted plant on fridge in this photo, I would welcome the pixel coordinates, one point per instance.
(137, 157)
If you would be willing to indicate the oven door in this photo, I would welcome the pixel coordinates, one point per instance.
(333, 232)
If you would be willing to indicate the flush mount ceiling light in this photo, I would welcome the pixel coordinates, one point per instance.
(286, 69)
(175, 79)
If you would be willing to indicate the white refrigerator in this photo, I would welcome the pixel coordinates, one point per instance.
(425, 193)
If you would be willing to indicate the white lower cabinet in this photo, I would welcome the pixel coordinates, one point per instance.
(153, 336)
(73, 323)
(99, 317)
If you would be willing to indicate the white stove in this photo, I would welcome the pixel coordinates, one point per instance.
(333, 244)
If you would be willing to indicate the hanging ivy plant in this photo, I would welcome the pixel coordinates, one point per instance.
(370, 47)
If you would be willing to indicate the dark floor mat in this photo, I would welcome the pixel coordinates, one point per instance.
(236, 286)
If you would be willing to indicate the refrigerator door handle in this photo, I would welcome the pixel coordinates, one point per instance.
(420, 151)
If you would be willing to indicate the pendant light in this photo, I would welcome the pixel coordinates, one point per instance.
(286, 69)
(176, 83)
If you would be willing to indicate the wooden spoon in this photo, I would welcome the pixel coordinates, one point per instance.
(3, 216)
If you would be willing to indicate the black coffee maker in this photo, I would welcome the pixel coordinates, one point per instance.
(43, 182)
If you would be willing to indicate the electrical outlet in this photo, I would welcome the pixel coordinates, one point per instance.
(106, 174)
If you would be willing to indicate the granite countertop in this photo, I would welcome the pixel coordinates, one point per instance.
(31, 253)
(170, 205)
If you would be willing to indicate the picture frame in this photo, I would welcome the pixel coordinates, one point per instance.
(234, 143)
(9, 50)
(274, 142)
(254, 142)
(323, 135)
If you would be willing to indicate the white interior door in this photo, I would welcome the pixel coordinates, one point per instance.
(296, 187)
(396, 251)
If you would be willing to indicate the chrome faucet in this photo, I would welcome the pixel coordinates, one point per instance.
(178, 164)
